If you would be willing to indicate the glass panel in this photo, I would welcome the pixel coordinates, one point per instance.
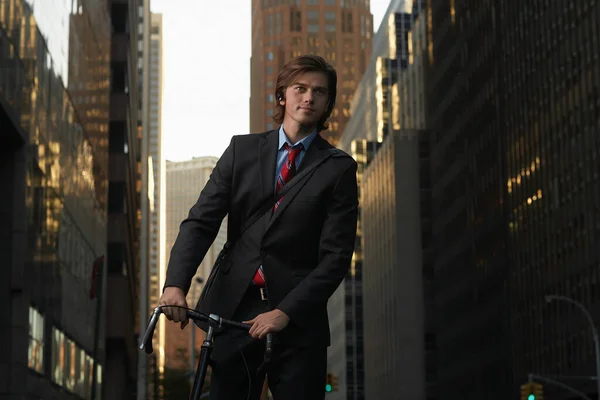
(35, 359)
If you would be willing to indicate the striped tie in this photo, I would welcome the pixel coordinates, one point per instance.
(287, 172)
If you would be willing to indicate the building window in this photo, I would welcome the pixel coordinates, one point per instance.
(330, 2)
(35, 359)
(312, 28)
(277, 23)
(312, 15)
(269, 70)
(269, 112)
(313, 42)
(116, 258)
(270, 126)
(270, 56)
(329, 28)
(311, 2)
(295, 20)
(347, 26)
(270, 98)
(330, 16)
(269, 84)
(271, 25)
(116, 197)
(72, 368)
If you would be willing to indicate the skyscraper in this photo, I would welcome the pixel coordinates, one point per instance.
(338, 30)
(124, 194)
(514, 104)
(54, 110)
(151, 75)
(148, 374)
(388, 98)
(184, 182)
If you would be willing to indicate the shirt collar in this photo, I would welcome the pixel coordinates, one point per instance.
(305, 141)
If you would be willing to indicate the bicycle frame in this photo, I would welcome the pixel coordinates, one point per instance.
(214, 322)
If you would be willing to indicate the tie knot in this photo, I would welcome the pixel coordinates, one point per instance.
(293, 151)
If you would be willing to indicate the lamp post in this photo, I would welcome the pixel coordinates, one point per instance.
(549, 299)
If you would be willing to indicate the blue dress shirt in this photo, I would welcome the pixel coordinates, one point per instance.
(282, 153)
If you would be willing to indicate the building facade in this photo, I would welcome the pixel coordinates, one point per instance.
(338, 30)
(514, 120)
(54, 122)
(124, 198)
(393, 280)
(390, 97)
(149, 112)
(184, 182)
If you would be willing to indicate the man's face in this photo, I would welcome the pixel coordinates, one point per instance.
(306, 100)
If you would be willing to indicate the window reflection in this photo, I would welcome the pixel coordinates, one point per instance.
(72, 367)
(55, 80)
(35, 359)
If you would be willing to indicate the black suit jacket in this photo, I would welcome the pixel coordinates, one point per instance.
(305, 247)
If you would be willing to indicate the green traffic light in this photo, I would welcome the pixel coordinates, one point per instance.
(328, 389)
(531, 397)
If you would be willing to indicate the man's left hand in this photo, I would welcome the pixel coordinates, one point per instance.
(272, 321)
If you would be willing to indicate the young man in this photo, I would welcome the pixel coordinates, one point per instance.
(281, 272)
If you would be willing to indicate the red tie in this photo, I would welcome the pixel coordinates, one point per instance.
(287, 172)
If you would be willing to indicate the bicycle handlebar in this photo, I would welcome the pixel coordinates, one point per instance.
(212, 319)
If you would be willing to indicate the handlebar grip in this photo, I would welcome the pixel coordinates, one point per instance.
(235, 324)
(146, 344)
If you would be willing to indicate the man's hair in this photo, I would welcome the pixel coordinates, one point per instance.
(289, 75)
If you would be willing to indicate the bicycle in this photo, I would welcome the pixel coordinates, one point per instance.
(214, 322)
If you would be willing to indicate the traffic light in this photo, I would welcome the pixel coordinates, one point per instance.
(331, 383)
(328, 385)
(334, 383)
(532, 391)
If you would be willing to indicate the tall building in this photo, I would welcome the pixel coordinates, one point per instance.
(148, 374)
(54, 114)
(156, 161)
(338, 30)
(388, 98)
(124, 197)
(393, 256)
(184, 182)
(514, 109)
(150, 73)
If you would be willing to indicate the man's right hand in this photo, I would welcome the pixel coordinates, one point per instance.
(174, 296)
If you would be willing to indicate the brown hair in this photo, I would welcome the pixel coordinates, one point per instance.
(289, 75)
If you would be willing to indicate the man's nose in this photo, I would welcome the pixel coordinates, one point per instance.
(309, 97)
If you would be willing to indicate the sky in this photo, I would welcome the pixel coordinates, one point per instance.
(206, 77)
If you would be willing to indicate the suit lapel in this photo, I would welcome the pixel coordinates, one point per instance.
(317, 150)
(267, 154)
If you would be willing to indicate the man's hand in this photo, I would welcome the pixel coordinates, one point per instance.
(272, 321)
(174, 296)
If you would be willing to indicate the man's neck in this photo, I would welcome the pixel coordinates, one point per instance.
(295, 132)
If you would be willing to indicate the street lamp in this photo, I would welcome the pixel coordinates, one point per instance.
(549, 299)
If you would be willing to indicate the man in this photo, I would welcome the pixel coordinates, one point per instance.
(281, 272)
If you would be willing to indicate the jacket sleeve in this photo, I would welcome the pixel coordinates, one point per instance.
(336, 247)
(198, 231)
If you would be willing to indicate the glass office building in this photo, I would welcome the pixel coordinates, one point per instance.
(514, 112)
(54, 83)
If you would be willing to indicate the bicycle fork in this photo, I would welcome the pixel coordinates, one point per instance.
(205, 351)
